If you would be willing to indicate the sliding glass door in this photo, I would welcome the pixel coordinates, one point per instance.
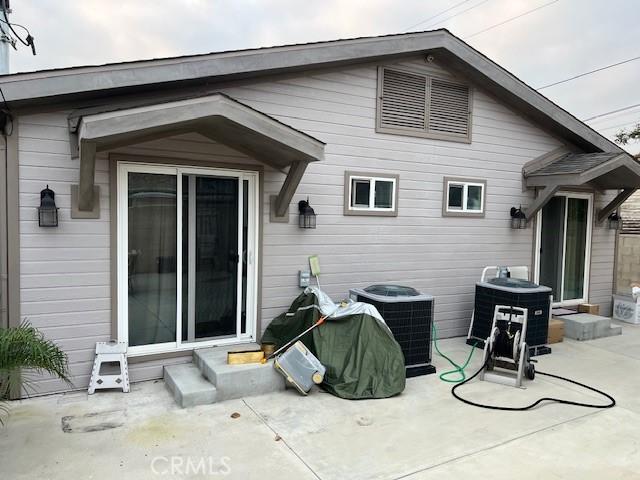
(187, 246)
(564, 241)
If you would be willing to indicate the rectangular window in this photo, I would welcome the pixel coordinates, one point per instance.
(462, 197)
(370, 194)
(414, 103)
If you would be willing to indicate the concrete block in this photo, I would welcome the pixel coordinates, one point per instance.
(188, 386)
(236, 381)
(614, 330)
(584, 326)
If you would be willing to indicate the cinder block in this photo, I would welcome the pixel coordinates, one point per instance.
(188, 386)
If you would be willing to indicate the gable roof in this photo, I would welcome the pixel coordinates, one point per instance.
(68, 83)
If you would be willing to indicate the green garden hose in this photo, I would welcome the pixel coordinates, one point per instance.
(458, 369)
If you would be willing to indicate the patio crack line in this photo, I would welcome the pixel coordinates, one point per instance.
(491, 447)
(281, 439)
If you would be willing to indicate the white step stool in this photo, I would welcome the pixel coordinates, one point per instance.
(110, 352)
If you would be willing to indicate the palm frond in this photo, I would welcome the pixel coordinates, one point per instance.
(25, 348)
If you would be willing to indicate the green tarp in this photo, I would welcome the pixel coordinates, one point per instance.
(362, 358)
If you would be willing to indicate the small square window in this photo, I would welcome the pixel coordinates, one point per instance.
(474, 198)
(455, 196)
(367, 194)
(360, 192)
(384, 194)
(463, 197)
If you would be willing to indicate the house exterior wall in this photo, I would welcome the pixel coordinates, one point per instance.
(65, 272)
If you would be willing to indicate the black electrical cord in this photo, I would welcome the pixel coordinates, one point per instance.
(28, 41)
(611, 403)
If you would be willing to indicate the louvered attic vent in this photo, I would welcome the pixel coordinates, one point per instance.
(415, 104)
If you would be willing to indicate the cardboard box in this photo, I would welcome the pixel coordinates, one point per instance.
(556, 331)
(591, 308)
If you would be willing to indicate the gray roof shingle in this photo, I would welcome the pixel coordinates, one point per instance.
(575, 163)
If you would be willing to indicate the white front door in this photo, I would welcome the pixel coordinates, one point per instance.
(187, 256)
(563, 252)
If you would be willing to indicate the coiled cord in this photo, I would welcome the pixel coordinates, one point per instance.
(611, 403)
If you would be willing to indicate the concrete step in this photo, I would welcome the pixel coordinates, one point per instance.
(236, 381)
(614, 330)
(188, 386)
(219, 352)
(584, 326)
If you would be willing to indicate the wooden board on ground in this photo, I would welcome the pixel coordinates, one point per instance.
(591, 308)
(245, 356)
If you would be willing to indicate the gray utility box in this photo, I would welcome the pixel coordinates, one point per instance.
(300, 367)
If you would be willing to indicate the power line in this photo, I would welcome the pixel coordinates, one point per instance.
(438, 22)
(611, 127)
(623, 109)
(437, 15)
(510, 19)
(580, 75)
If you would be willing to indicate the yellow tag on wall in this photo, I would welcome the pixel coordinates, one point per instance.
(314, 264)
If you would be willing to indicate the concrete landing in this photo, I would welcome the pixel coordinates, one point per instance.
(209, 379)
(584, 326)
(236, 381)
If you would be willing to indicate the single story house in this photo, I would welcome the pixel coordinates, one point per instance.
(178, 181)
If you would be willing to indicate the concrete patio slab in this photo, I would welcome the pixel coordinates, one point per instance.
(422, 434)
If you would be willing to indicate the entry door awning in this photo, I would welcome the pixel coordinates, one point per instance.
(216, 116)
(602, 171)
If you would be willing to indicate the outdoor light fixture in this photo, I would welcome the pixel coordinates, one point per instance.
(614, 221)
(518, 218)
(307, 217)
(47, 212)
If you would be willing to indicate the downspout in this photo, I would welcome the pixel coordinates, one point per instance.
(4, 277)
(5, 43)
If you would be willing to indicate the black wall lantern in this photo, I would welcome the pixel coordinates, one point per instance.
(47, 212)
(518, 218)
(307, 217)
(614, 220)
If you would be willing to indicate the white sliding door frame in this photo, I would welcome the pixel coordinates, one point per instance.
(587, 264)
(250, 256)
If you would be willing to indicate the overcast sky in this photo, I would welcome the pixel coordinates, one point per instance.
(558, 41)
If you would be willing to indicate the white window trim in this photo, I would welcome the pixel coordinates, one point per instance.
(465, 193)
(250, 334)
(371, 208)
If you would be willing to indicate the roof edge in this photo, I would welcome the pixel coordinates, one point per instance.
(25, 88)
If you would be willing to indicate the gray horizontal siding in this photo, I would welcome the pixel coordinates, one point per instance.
(65, 279)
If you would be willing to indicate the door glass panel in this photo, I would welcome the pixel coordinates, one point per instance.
(245, 254)
(574, 260)
(214, 273)
(152, 250)
(185, 258)
(551, 243)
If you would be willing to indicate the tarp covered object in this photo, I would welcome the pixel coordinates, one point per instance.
(362, 358)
